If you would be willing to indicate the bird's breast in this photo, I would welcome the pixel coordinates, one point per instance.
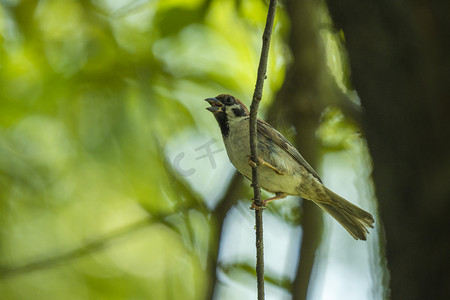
(237, 144)
(238, 147)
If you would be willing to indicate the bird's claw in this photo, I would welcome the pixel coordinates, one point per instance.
(251, 162)
(260, 161)
(255, 206)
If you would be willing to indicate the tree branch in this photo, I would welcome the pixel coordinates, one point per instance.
(217, 220)
(257, 95)
(91, 247)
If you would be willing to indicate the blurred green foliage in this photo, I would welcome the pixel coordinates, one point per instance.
(90, 94)
(97, 98)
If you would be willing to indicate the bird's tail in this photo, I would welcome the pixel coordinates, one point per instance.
(354, 219)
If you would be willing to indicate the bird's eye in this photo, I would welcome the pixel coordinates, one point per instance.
(229, 100)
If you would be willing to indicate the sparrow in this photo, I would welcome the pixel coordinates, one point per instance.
(282, 169)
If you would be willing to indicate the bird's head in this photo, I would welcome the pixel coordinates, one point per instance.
(227, 105)
(227, 109)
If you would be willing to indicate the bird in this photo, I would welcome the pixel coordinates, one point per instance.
(282, 169)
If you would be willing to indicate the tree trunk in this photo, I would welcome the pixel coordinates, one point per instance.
(398, 52)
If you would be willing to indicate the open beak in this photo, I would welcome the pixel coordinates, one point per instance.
(216, 105)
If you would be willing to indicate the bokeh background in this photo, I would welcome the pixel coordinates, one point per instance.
(114, 181)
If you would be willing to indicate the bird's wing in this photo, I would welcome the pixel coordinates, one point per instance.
(271, 133)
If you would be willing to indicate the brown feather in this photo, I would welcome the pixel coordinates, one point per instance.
(271, 133)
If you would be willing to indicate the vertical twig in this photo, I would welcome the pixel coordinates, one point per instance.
(257, 95)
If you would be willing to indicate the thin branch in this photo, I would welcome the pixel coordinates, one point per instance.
(257, 95)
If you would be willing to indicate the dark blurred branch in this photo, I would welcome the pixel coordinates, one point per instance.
(308, 89)
(257, 95)
(217, 220)
(95, 245)
(91, 247)
(345, 101)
